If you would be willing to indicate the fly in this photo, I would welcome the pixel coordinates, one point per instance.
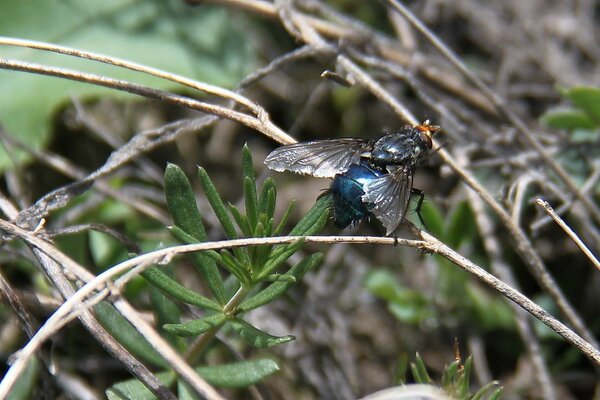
(370, 176)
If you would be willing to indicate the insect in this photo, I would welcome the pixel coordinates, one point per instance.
(370, 176)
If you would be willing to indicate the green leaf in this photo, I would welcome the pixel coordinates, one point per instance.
(182, 203)
(240, 374)
(213, 197)
(126, 334)
(233, 265)
(461, 225)
(419, 371)
(383, 284)
(133, 389)
(251, 201)
(197, 326)
(462, 385)
(277, 289)
(215, 201)
(26, 384)
(487, 388)
(182, 207)
(401, 370)
(241, 220)
(267, 200)
(567, 119)
(433, 219)
(255, 337)
(199, 42)
(586, 98)
(278, 257)
(176, 290)
(166, 312)
(249, 182)
(315, 218)
(449, 375)
(497, 394)
(185, 391)
(284, 218)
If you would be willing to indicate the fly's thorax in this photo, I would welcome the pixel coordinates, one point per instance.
(407, 148)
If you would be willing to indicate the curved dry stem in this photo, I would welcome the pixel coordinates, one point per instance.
(257, 123)
(88, 55)
(559, 221)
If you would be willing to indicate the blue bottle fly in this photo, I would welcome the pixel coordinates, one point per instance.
(347, 190)
(370, 176)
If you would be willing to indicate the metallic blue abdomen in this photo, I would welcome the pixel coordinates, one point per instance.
(347, 190)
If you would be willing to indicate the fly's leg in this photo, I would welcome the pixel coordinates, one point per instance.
(421, 195)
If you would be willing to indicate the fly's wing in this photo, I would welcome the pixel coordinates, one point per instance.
(321, 158)
(389, 195)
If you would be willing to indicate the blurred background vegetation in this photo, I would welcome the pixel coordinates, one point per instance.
(360, 317)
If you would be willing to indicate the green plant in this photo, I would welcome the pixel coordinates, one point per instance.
(253, 279)
(455, 380)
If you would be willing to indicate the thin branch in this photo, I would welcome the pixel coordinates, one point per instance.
(204, 87)
(256, 123)
(550, 211)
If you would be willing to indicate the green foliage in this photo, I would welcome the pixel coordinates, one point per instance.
(584, 115)
(199, 42)
(253, 271)
(456, 229)
(27, 383)
(409, 306)
(455, 380)
(582, 122)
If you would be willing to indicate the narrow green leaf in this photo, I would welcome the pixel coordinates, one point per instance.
(433, 219)
(257, 338)
(234, 266)
(485, 390)
(166, 312)
(184, 211)
(568, 119)
(419, 371)
(133, 389)
(264, 198)
(315, 218)
(586, 98)
(278, 257)
(461, 225)
(182, 203)
(185, 391)
(401, 370)
(27, 383)
(280, 278)
(240, 374)
(285, 218)
(462, 385)
(126, 334)
(173, 288)
(276, 289)
(449, 375)
(497, 394)
(218, 207)
(241, 220)
(250, 200)
(197, 326)
(216, 203)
